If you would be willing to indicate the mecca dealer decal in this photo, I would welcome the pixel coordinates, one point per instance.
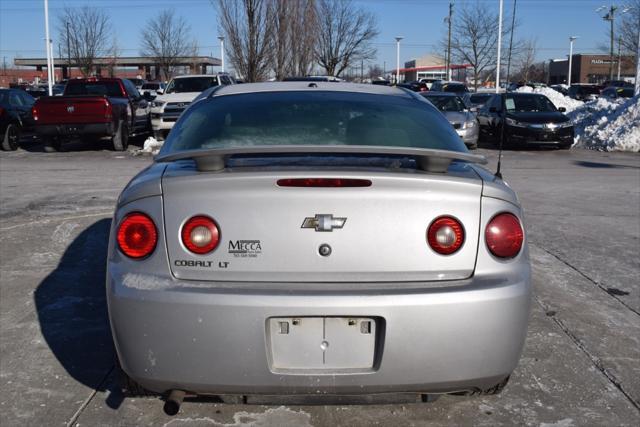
(245, 248)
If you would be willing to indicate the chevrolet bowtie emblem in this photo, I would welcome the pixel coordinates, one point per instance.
(323, 222)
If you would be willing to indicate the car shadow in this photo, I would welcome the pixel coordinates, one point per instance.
(599, 165)
(34, 144)
(72, 312)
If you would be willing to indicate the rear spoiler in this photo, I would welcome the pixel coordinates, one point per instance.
(428, 159)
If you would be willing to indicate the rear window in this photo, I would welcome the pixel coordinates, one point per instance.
(318, 118)
(479, 98)
(447, 103)
(94, 88)
(151, 86)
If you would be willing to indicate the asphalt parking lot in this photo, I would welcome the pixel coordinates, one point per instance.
(580, 366)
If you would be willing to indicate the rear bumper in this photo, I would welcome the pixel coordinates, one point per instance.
(470, 135)
(172, 334)
(99, 129)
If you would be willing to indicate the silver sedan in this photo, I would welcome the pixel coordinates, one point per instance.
(314, 238)
(461, 118)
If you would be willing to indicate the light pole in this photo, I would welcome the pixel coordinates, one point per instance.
(499, 48)
(221, 38)
(48, 46)
(571, 40)
(398, 38)
(448, 55)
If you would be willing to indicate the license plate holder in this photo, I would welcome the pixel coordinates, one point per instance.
(322, 343)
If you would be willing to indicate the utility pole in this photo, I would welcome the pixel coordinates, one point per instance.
(513, 25)
(499, 48)
(610, 16)
(448, 55)
(398, 38)
(637, 89)
(571, 40)
(361, 71)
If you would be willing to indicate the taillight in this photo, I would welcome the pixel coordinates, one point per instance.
(137, 235)
(200, 235)
(34, 113)
(108, 109)
(504, 235)
(445, 235)
(323, 182)
(1, 111)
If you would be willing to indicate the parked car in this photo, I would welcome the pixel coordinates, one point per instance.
(429, 82)
(414, 86)
(617, 83)
(15, 116)
(154, 88)
(461, 118)
(92, 108)
(181, 90)
(37, 91)
(529, 119)
(584, 92)
(235, 273)
(381, 82)
(614, 92)
(458, 88)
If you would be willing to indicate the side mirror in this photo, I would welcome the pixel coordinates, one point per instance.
(562, 109)
(159, 91)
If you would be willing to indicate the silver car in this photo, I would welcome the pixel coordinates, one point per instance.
(458, 114)
(313, 238)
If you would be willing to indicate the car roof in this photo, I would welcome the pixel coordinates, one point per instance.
(311, 87)
(438, 93)
(188, 76)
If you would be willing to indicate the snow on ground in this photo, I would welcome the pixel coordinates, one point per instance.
(151, 146)
(608, 125)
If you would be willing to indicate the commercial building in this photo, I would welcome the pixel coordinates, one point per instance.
(431, 67)
(147, 68)
(590, 69)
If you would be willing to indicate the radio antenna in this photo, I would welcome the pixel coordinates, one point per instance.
(498, 174)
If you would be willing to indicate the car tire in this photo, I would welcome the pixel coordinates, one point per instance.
(52, 145)
(11, 137)
(121, 139)
(565, 146)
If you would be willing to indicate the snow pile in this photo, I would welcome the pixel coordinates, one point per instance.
(151, 145)
(558, 99)
(609, 125)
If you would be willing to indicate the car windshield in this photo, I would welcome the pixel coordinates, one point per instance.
(319, 118)
(151, 86)
(111, 88)
(191, 84)
(447, 103)
(528, 103)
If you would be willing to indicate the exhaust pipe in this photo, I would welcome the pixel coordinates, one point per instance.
(173, 402)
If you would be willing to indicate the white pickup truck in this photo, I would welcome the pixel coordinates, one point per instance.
(180, 92)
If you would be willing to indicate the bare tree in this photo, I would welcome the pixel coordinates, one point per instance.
(475, 38)
(527, 59)
(629, 26)
(303, 35)
(248, 27)
(88, 36)
(166, 38)
(345, 33)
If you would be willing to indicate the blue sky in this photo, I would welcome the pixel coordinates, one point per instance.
(551, 22)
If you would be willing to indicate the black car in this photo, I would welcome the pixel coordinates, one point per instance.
(15, 116)
(617, 83)
(614, 92)
(458, 88)
(529, 119)
(584, 92)
(414, 86)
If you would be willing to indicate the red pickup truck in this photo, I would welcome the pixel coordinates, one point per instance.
(92, 108)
